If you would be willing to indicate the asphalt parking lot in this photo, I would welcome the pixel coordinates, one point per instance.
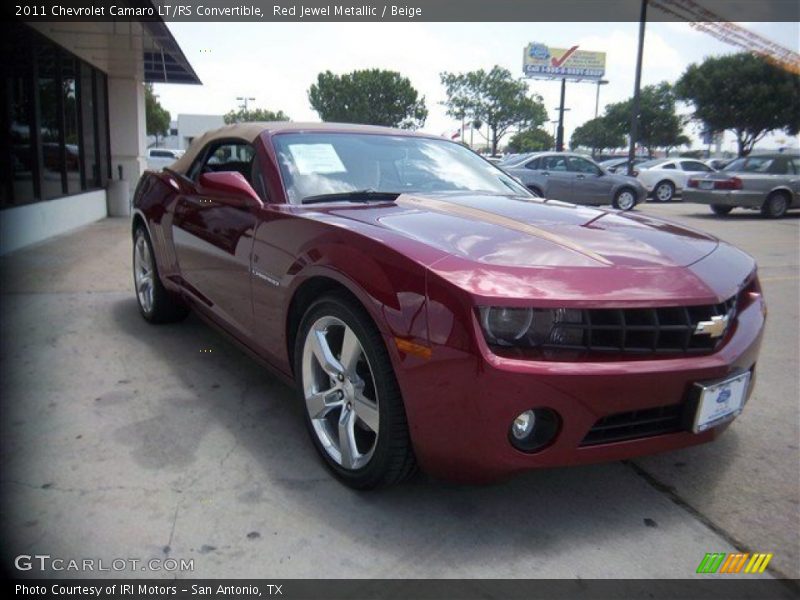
(124, 440)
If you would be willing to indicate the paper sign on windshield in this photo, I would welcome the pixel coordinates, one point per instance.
(316, 158)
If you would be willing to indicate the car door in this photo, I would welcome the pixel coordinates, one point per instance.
(590, 185)
(556, 176)
(689, 168)
(213, 237)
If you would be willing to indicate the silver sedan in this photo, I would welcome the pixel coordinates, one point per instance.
(766, 182)
(578, 179)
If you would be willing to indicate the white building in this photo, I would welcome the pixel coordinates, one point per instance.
(72, 115)
(183, 131)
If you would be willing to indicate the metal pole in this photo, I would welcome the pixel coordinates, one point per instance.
(597, 100)
(560, 134)
(637, 85)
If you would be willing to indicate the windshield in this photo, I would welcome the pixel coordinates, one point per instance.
(317, 164)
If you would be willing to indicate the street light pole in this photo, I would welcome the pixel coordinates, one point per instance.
(597, 97)
(637, 85)
(243, 100)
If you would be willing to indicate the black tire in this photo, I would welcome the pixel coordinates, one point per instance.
(721, 209)
(776, 205)
(668, 191)
(393, 458)
(619, 201)
(165, 307)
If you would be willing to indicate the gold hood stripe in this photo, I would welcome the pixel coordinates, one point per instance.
(453, 208)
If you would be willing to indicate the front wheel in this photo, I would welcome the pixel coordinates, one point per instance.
(664, 191)
(354, 410)
(721, 209)
(155, 303)
(625, 199)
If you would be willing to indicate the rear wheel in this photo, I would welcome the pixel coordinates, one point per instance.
(775, 206)
(354, 410)
(155, 303)
(664, 191)
(721, 209)
(625, 199)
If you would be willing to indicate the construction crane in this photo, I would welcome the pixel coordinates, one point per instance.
(713, 24)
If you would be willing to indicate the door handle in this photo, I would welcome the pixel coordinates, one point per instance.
(545, 173)
(581, 177)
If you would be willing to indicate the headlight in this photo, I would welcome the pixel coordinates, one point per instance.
(532, 328)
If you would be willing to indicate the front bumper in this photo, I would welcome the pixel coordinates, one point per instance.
(460, 404)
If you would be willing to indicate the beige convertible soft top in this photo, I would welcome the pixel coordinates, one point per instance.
(250, 131)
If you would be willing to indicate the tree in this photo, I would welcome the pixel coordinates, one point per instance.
(371, 96)
(598, 134)
(256, 114)
(495, 98)
(659, 124)
(531, 140)
(157, 118)
(743, 93)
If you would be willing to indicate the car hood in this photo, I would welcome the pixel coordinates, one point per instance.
(522, 231)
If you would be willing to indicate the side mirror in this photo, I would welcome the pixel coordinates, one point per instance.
(230, 187)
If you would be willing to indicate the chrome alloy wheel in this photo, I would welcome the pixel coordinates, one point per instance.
(340, 393)
(626, 200)
(664, 192)
(143, 273)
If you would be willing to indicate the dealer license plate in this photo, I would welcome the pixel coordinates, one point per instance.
(706, 185)
(720, 401)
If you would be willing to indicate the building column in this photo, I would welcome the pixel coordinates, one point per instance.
(127, 130)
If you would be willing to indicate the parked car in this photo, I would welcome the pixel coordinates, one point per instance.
(665, 177)
(431, 311)
(718, 163)
(766, 182)
(620, 165)
(158, 158)
(575, 178)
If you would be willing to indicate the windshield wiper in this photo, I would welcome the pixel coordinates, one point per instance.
(353, 196)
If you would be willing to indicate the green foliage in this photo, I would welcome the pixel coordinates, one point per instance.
(743, 93)
(531, 140)
(659, 124)
(254, 114)
(494, 98)
(372, 97)
(598, 134)
(156, 116)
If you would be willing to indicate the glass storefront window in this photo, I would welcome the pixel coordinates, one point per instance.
(54, 130)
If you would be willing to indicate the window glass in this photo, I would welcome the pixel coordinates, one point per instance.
(49, 90)
(229, 156)
(693, 165)
(91, 167)
(581, 165)
(534, 164)
(554, 163)
(103, 151)
(18, 162)
(795, 164)
(780, 166)
(69, 92)
(668, 166)
(329, 163)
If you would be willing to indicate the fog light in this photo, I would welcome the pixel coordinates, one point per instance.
(534, 429)
(523, 425)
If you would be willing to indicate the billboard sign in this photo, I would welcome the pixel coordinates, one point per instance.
(543, 62)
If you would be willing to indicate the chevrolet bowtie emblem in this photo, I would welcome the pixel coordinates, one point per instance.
(714, 328)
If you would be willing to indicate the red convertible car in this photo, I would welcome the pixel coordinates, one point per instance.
(432, 311)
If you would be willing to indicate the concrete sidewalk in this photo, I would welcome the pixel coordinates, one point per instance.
(125, 440)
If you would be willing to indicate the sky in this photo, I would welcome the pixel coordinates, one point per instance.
(276, 63)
